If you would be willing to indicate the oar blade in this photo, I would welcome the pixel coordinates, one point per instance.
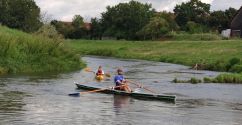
(107, 74)
(74, 94)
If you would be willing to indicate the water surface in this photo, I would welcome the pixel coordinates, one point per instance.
(43, 99)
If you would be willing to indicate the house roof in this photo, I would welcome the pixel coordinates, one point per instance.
(236, 23)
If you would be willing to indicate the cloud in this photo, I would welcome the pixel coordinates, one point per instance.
(65, 10)
(225, 4)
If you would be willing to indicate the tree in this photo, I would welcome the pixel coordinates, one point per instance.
(170, 18)
(156, 28)
(125, 19)
(96, 30)
(77, 21)
(63, 28)
(193, 10)
(193, 27)
(221, 19)
(20, 14)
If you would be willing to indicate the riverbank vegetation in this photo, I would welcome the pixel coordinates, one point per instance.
(24, 53)
(216, 55)
(222, 78)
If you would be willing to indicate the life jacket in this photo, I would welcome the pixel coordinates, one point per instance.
(99, 72)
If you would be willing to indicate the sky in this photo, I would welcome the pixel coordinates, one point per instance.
(65, 9)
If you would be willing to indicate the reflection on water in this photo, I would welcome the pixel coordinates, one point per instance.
(43, 99)
(120, 102)
(11, 101)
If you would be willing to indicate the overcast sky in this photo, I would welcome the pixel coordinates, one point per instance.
(66, 9)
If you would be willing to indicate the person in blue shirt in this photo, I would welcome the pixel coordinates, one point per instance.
(120, 82)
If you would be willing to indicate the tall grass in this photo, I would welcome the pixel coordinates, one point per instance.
(24, 53)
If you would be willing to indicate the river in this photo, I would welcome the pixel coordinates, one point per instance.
(44, 100)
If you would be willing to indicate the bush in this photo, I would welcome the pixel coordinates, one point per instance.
(207, 80)
(49, 31)
(195, 80)
(228, 78)
(231, 65)
(193, 27)
(236, 68)
(192, 80)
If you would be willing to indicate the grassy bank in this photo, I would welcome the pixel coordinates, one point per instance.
(217, 55)
(24, 53)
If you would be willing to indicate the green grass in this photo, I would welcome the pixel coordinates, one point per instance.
(24, 53)
(192, 80)
(194, 37)
(213, 55)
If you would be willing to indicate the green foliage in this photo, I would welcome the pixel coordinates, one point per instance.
(156, 28)
(49, 31)
(96, 30)
(63, 28)
(170, 18)
(237, 68)
(20, 14)
(77, 21)
(231, 65)
(72, 30)
(193, 27)
(194, 10)
(207, 80)
(195, 80)
(125, 19)
(24, 53)
(228, 78)
(192, 80)
(221, 19)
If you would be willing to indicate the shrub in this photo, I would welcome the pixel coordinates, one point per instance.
(236, 68)
(195, 80)
(228, 78)
(207, 80)
(192, 80)
(49, 31)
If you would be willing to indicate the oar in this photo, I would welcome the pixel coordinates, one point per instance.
(92, 91)
(141, 86)
(89, 70)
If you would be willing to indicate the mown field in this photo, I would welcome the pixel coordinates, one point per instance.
(216, 55)
(26, 53)
(209, 53)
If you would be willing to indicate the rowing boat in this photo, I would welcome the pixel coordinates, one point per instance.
(99, 77)
(145, 96)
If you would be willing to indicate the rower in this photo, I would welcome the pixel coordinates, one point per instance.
(99, 71)
(120, 82)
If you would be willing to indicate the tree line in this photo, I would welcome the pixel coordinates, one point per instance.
(131, 21)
